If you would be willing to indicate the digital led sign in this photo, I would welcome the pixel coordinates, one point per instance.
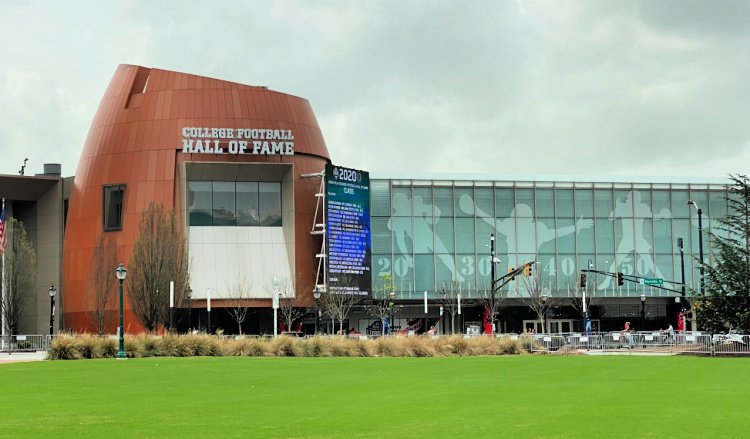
(348, 230)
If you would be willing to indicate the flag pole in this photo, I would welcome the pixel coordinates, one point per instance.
(2, 284)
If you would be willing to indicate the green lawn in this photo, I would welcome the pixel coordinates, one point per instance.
(463, 397)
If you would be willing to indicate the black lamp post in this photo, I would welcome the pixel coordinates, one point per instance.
(682, 299)
(189, 293)
(391, 297)
(316, 295)
(121, 272)
(643, 312)
(52, 292)
(700, 239)
(544, 314)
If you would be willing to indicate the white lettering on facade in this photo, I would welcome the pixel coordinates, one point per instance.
(205, 140)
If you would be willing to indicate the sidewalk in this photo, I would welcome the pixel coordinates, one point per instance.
(17, 357)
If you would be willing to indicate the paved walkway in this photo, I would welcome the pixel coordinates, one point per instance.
(17, 357)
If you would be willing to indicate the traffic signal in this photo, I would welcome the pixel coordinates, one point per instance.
(619, 278)
(583, 280)
(527, 270)
(510, 270)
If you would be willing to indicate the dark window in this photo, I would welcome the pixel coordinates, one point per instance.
(244, 203)
(270, 204)
(113, 199)
(199, 203)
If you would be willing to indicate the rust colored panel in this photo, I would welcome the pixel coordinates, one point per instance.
(138, 146)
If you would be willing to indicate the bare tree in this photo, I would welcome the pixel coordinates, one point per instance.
(159, 256)
(287, 300)
(238, 293)
(449, 299)
(100, 291)
(338, 305)
(493, 301)
(20, 271)
(538, 299)
(381, 304)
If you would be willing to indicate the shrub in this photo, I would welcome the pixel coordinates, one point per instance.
(63, 347)
(133, 347)
(106, 348)
(86, 345)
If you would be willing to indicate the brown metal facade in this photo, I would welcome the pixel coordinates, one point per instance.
(135, 139)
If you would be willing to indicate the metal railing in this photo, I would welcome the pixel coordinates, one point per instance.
(642, 343)
(24, 343)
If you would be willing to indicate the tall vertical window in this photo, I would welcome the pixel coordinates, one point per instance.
(199, 203)
(112, 209)
(223, 203)
(247, 203)
(269, 201)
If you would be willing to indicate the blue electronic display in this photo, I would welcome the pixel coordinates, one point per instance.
(348, 230)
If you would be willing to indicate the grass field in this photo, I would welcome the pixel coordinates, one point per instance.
(463, 397)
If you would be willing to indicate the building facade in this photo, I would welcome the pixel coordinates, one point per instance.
(241, 167)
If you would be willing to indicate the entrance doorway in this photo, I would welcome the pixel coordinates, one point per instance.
(554, 326)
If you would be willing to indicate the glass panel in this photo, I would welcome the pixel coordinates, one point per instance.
(626, 265)
(606, 285)
(381, 236)
(585, 236)
(564, 203)
(484, 205)
(483, 231)
(566, 241)
(467, 269)
(401, 202)
(402, 237)
(465, 235)
(603, 203)
(547, 271)
(717, 204)
(223, 203)
(464, 201)
(269, 200)
(380, 197)
(665, 270)
(701, 199)
(623, 204)
(199, 200)
(403, 273)
(680, 208)
(567, 271)
(545, 204)
(526, 233)
(663, 237)
(444, 235)
(247, 203)
(584, 203)
(381, 265)
(605, 236)
(444, 271)
(545, 230)
(483, 272)
(681, 229)
(504, 202)
(524, 203)
(661, 204)
(642, 204)
(443, 202)
(425, 273)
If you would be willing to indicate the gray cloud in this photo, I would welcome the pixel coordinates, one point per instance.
(601, 88)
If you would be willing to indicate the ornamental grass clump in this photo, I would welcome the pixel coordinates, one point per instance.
(64, 347)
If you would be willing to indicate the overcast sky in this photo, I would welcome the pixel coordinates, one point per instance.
(597, 88)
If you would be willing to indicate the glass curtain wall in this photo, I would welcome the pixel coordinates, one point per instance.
(429, 236)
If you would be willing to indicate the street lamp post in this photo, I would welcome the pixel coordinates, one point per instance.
(316, 295)
(391, 297)
(680, 245)
(121, 272)
(52, 292)
(189, 293)
(643, 312)
(208, 311)
(700, 240)
(544, 314)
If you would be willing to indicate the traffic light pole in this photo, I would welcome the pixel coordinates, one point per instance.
(635, 279)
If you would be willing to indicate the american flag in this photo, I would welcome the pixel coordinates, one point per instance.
(2, 230)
